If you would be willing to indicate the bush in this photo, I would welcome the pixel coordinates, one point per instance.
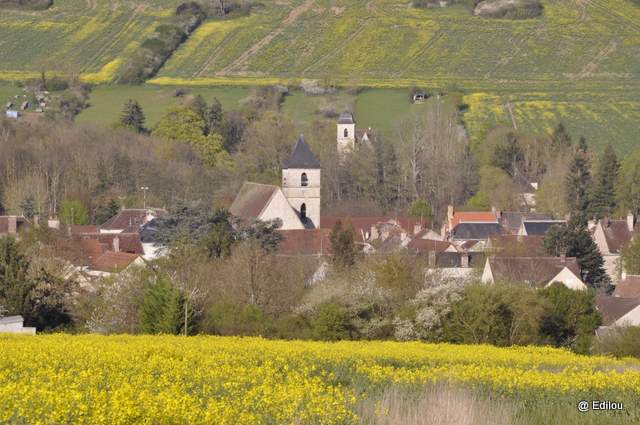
(331, 323)
(227, 318)
(619, 341)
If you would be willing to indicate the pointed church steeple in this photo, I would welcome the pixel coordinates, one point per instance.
(301, 156)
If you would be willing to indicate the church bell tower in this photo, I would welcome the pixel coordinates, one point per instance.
(301, 184)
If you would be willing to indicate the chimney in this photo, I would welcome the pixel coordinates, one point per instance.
(630, 221)
(432, 258)
(36, 220)
(12, 225)
(116, 244)
(374, 233)
(563, 258)
(417, 228)
(605, 221)
(623, 275)
(464, 260)
(450, 214)
(53, 223)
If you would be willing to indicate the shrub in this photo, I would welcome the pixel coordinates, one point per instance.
(331, 323)
(619, 341)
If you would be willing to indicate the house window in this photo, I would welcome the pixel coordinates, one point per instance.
(304, 181)
(346, 133)
(303, 211)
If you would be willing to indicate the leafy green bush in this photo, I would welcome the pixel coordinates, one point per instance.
(331, 323)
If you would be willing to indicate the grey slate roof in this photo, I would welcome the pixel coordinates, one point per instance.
(540, 227)
(346, 118)
(301, 156)
(476, 231)
(512, 220)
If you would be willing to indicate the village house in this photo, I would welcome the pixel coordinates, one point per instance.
(11, 225)
(617, 312)
(15, 325)
(130, 220)
(537, 227)
(611, 236)
(535, 271)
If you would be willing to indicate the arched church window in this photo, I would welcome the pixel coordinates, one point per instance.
(346, 133)
(303, 211)
(304, 181)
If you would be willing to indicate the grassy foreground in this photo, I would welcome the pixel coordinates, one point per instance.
(166, 379)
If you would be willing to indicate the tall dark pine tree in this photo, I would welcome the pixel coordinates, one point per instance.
(214, 117)
(132, 116)
(574, 240)
(15, 284)
(508, 155)
(561, 138)
(343, 247)
(603, 199)
(578, 181)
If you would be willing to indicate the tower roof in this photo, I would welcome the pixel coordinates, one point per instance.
(301, 156)
(346, 118)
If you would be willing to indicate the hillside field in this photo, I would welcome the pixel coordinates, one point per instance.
(579, 63)
(51, 379)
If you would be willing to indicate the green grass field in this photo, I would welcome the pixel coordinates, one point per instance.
(107, 101)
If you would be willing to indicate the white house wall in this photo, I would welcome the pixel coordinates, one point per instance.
(632, 318)
(568, 279)
(487, 274)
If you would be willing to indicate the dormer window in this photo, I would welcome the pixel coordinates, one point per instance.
(346, 133)
(304, 181)
(303, 211)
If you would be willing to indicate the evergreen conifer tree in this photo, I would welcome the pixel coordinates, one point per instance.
(132, 116)
(28, 207)
(602, 198)
(578, 181)
(574, 240)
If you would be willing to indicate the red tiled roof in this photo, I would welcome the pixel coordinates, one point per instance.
(304, 242)
(91, 248)
(113, 261)
(473, 217)
(362, 225)
(628, 287)
(130, 218)
(80, 229)
(129, 242)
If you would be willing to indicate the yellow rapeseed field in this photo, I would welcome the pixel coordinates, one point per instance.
(196, 380)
